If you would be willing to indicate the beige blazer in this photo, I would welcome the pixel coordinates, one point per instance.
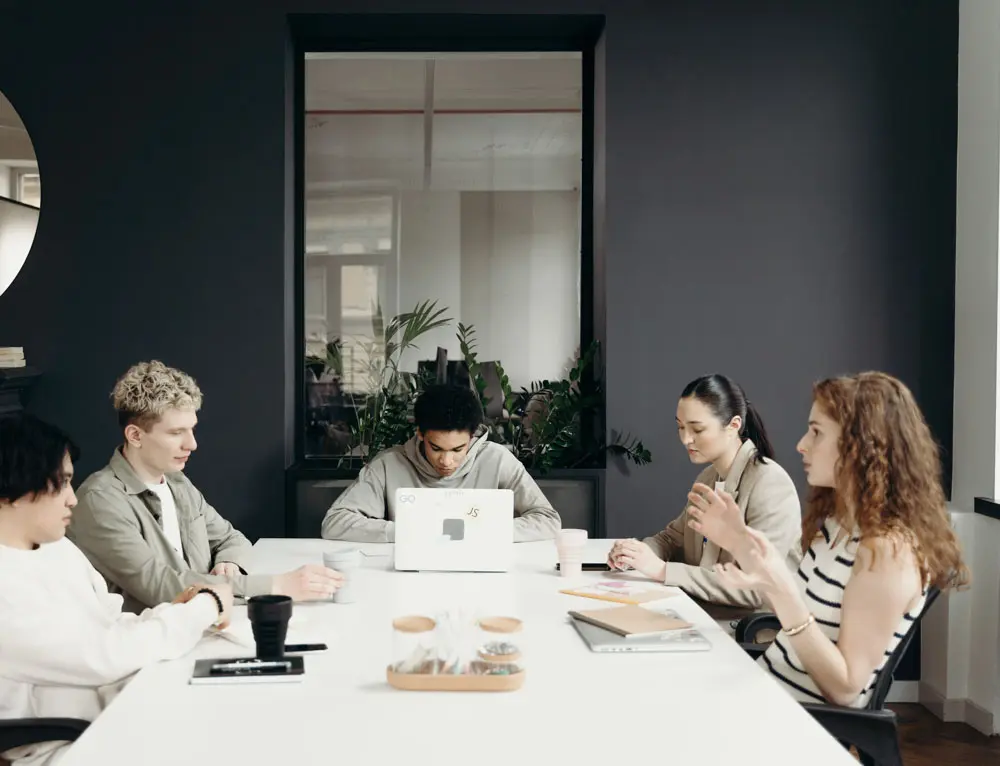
(770, 503)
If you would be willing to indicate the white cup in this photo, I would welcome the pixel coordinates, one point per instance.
(570, 544)
(347, 562)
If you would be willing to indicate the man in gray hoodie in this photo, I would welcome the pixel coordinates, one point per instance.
(449, 450)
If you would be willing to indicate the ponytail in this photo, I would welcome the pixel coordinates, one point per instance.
(727, 400)
(753, 429)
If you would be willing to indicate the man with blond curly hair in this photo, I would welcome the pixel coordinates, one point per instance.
(146, 527)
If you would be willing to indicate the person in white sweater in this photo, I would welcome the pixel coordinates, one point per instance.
(66, 647)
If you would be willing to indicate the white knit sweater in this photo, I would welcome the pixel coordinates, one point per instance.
(66, 648)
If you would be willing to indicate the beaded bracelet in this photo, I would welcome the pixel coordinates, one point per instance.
(214, 595)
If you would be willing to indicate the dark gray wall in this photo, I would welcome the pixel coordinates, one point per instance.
(780, 207)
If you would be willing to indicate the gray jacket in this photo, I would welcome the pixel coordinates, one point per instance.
(117, 524)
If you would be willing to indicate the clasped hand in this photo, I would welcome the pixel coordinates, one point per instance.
(633, 554)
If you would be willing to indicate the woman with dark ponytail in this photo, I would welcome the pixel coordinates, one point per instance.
(719, 426)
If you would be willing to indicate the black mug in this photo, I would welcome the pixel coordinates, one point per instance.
(269, 616)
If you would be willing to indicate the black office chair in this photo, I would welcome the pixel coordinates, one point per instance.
(18, 732)
(873, 729)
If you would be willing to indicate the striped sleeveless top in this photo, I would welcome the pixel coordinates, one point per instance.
(823, 575)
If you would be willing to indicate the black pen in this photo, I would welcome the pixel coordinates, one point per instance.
(297, 648)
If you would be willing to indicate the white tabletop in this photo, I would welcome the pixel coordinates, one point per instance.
(576, 707)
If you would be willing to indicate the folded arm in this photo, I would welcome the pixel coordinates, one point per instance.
(112, 539)
(668, 543)
(534, 516)
(706, 585)
(50, 647)
(226, 542)
(359, 514)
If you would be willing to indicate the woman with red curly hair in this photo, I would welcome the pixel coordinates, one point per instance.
(875, 535)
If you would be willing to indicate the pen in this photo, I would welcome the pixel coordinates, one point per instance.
(252, 665)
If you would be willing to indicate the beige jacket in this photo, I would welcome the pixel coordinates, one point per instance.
(770, 503)
(116, 523)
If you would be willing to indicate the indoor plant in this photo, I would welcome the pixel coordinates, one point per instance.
(551, 424)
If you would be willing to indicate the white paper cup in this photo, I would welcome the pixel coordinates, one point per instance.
(570, 545)
(346, 562)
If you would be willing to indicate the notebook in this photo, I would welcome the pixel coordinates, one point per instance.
(632, 620)
(247, 670)
(603, 641)
(622, 591)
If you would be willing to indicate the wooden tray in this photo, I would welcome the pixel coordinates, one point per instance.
(426, 682)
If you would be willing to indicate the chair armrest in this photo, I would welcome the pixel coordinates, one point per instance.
(873, 732)
(18, 732)
(748, 628)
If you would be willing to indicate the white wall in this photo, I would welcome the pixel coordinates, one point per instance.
(960, 639)
(960, 677)
(520, 279)
(17, 231)
(975, 430)
(430, 265)
(506, 262)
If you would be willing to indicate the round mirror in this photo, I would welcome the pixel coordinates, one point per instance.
(20, 193)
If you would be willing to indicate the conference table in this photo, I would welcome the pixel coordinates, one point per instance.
(576, 706)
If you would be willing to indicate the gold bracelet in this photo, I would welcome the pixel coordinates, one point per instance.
(798, 628)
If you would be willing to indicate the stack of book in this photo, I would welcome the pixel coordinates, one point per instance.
(11, 356)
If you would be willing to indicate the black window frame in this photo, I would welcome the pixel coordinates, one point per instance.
(424, 32)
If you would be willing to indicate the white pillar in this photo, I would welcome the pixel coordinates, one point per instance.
(960, 676)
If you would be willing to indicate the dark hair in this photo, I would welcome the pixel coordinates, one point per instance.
(724, 397)
(448, 408)
(31, 456)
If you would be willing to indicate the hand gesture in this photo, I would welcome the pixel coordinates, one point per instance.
(311, 582)
(225, 569)
(717, 516)
(762, 568)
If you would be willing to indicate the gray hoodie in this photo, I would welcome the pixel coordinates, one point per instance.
(364, 513)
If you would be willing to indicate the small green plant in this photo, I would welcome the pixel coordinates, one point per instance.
(547, 425)
(553, 423)
(384, 419)
(332, 360)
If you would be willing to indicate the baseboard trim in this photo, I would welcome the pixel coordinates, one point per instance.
(904, 691)
(962, 710)
(980, 718)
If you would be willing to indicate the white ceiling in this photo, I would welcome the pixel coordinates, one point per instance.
(461, 81)
(523, 132)
(15, 144)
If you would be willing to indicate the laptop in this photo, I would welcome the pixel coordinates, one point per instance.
(454, 530)
(601, 641)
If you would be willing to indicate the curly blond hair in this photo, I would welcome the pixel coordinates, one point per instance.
(149, 389)
(888, 479)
